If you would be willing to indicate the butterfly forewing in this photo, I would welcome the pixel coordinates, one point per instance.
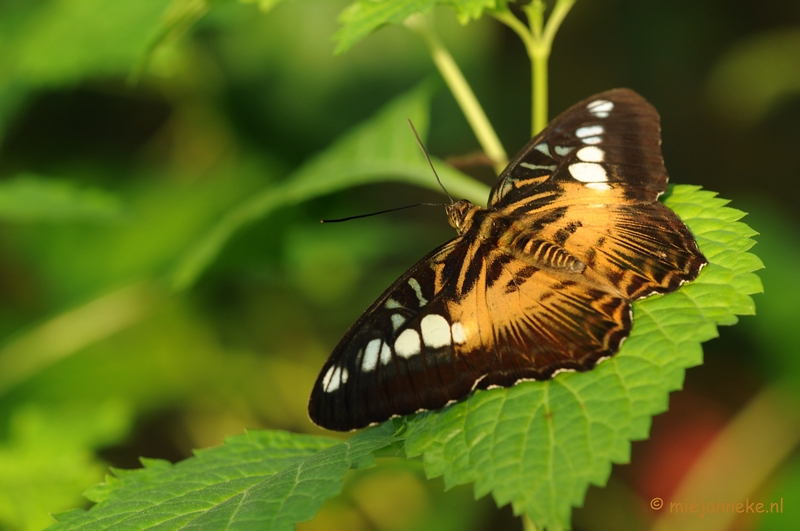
(609, 141)
(400, 356)
(540, 281)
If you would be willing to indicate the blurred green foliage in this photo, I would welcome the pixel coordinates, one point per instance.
(108, 186)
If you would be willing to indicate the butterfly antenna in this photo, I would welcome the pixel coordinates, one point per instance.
(425, 152)
(376, 213)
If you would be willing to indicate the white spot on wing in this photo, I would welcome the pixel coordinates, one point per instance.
(591, 154)
(589, 130)
(370, 360)
(588, 172)
(459, 336)
(418, 290)
(537, 166)
(334, 378)
(392, 304)
(598, 186)
(563, 150)
(592, 140)
(600, 105)
(407, 344)
(543, 148)
(326, 380)
(386, 354)
(435, 331)
(601, 108)
(397, 320)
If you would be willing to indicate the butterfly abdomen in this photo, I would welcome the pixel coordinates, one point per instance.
(549, 255)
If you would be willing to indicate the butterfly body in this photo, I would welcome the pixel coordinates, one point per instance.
(539, 281)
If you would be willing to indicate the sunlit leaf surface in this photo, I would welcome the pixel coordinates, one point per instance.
(539, 445)
(261, 480)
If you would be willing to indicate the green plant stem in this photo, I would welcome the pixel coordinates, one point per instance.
(529, 38)
(539, 54)
(538, 41)
(177, 20)
(527, 523)
(462, 92)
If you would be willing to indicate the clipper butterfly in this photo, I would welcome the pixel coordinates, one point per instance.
(538, 282)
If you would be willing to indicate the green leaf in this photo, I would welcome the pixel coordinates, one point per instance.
(65, 41)
(538, 445)
(380, 149)
(48, 458)
(28, 198)
(260, 480)
(363, 17)
(178, 19)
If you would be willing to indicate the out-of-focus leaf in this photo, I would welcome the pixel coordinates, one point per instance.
(161, 221)
(313, 257)
(261, 480)
(363, 17)
(65, 41)
(381, 149)
(756, 74)
(781, 491)
(27, 198)
(264, 5)
(538, 445)
(167, 359)
(775, 327)
(72, 331)
(48, 458)
(180, 16)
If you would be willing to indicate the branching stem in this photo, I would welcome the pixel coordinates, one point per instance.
(461, 91)
(538, 40)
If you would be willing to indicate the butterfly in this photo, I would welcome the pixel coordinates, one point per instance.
(538, 282)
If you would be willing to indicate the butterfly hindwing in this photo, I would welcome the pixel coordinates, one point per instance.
(527, 321)
(540, 281)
